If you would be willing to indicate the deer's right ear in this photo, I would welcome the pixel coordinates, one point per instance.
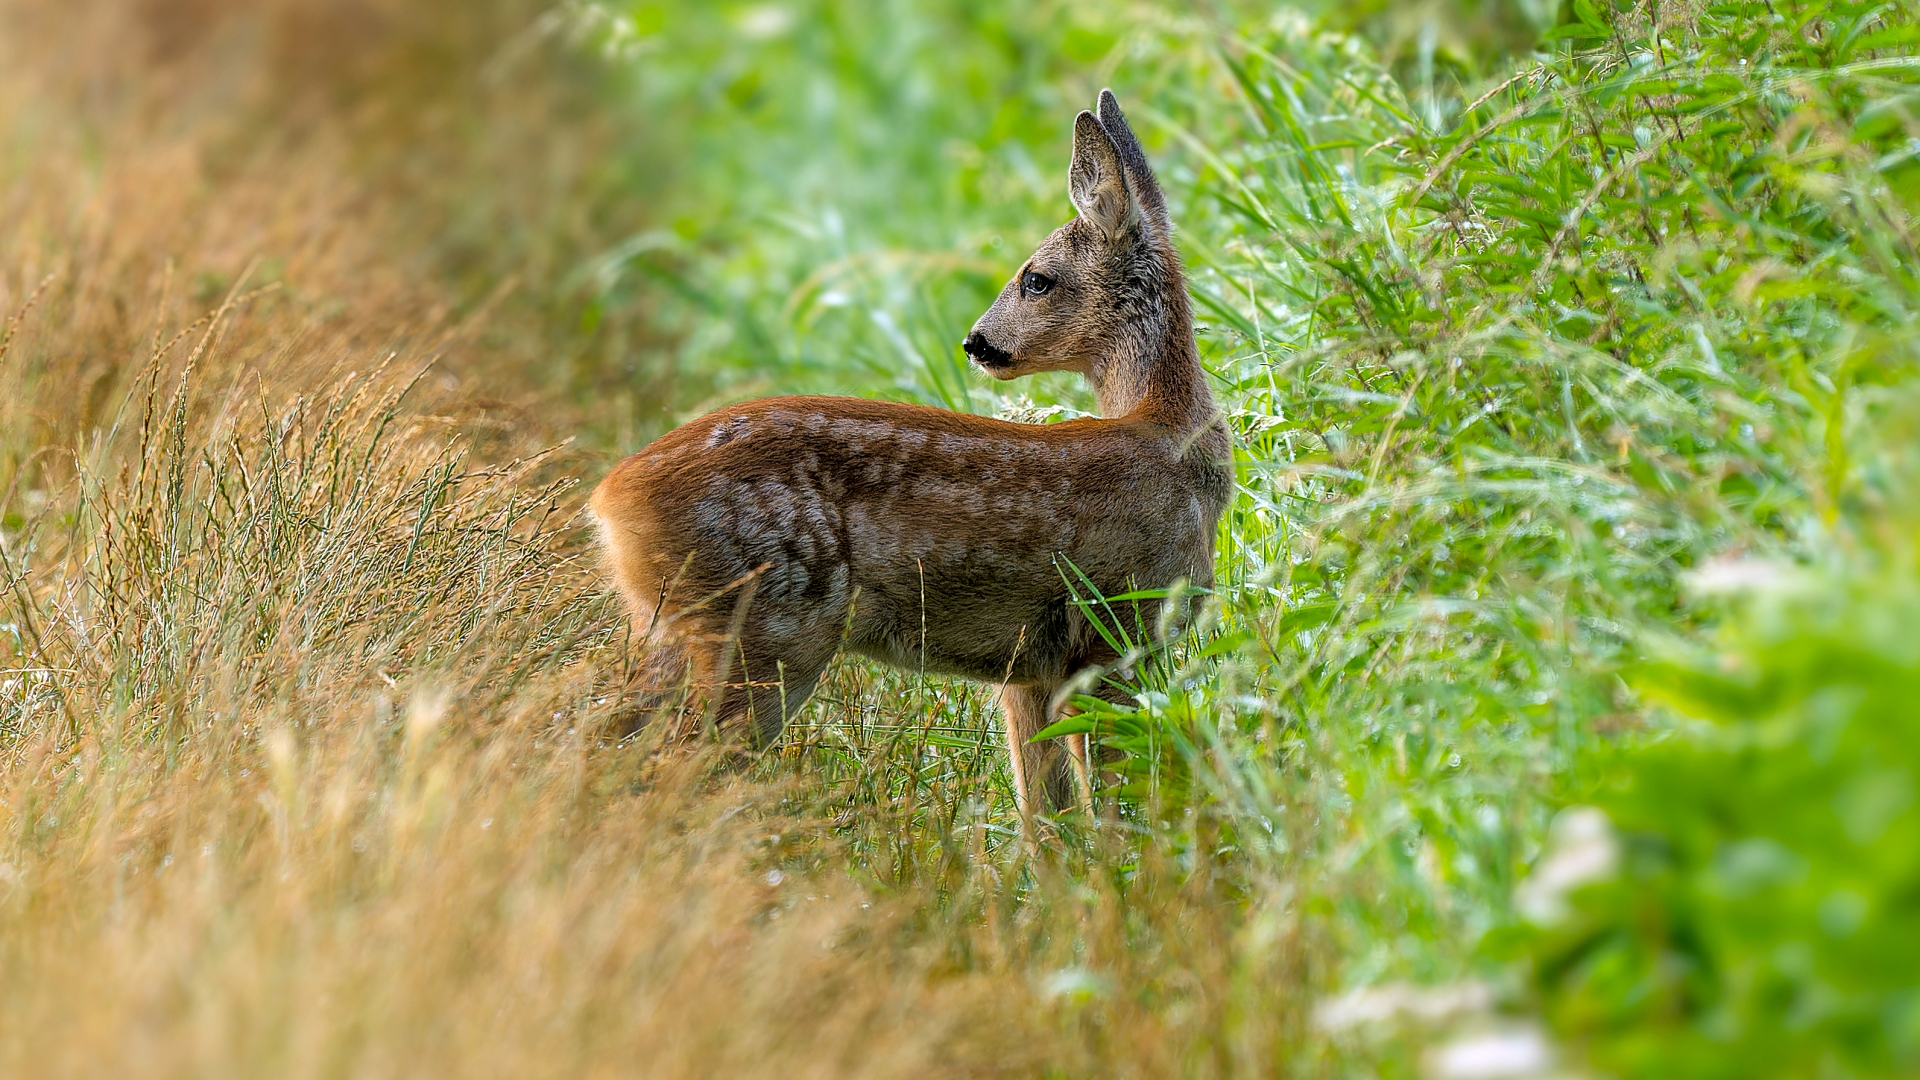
(1097, 181)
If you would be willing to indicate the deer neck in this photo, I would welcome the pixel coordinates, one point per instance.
(1154, 374)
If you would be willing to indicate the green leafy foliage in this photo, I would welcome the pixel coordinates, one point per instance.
(1505, 373)
(1765, 919)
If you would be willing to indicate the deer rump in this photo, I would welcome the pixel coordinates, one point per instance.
(787, 529)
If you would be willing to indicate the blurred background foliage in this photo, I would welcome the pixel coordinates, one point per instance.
(832, 163)
(1761, 919)
(1557, 703)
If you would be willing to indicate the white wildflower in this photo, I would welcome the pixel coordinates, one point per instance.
(1514, 1053)
(1401, 1001)
(1581, 849)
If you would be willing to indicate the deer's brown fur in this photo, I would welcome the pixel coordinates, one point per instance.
(756, 542)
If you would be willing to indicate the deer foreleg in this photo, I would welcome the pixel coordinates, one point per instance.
(1047, 775)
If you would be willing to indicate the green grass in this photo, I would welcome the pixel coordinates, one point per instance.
(1558, 688)
(1512, 344)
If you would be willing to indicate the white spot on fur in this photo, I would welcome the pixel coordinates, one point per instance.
(872, 545)
(954, 444)
(728, 430)
(863, 429)
(959, 497)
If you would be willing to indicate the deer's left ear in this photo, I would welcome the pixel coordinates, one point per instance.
(1097, 181)
(1140, 179)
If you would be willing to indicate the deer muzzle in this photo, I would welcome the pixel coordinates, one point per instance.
(986, 353)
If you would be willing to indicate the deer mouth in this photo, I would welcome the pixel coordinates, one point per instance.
(986, 353)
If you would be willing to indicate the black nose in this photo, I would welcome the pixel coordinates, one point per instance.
(984, 352)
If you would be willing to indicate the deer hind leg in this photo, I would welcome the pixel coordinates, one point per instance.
(732, 668)
(664, 683)
(745, 688)
(1051, 773)
(766, 681)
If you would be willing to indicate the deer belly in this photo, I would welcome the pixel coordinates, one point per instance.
(980, 637)
(951, 590)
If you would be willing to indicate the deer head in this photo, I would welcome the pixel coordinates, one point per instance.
(1104, 294)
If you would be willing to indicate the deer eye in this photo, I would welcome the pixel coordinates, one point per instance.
(1036, 283)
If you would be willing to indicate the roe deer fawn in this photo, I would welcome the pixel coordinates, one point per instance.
(756, 542)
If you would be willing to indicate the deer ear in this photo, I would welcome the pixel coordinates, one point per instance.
(1097, 180)
(1140, 176)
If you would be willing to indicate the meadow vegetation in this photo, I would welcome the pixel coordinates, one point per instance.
(1558, 709)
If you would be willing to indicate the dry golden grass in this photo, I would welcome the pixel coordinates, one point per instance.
(304, 668)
